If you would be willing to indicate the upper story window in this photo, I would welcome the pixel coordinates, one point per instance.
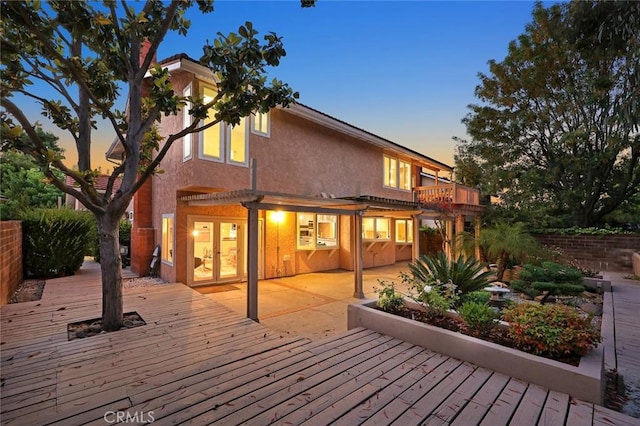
(260, 124)
(317, 231)
(404, 231)
(187, 141)
(223, 142)
(376, 228)
(397, 173)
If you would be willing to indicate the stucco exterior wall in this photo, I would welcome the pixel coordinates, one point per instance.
(299, 157)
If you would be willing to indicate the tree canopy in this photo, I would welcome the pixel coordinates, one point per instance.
(85, 54)
(556, 130)
(23, 184)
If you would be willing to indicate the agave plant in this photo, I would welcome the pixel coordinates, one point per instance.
(467, 274)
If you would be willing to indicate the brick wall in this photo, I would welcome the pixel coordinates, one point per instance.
(597, 252)
(10, 258)
(142, 234)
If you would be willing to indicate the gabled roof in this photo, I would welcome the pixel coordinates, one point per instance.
(100, 183)
(182, 62)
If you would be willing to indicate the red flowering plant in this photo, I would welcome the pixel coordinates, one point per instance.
(551, 330)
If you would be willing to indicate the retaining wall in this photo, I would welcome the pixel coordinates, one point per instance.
(597, 252)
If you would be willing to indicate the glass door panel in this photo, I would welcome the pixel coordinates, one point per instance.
(228, 250)
(203, 249)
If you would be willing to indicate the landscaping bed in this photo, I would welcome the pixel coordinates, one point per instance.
(585, 381)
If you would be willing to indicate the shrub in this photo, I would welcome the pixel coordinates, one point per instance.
(467, 274)
(476, 296)
(389, 300)
(553, 330)
(53, 241)
(435, 297)
(479, 317)
(550, 277)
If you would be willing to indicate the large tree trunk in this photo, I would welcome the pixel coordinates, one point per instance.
(111, 267)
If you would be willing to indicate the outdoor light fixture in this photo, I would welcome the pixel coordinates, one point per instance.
(195, 233)
(277, 216)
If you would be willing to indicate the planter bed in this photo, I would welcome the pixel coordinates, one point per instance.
(585, 381)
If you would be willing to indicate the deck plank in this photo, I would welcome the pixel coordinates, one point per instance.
(197, 361)
(482, 401)
(555, 409)
(506, 403)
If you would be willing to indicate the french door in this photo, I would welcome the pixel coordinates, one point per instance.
(215, 250)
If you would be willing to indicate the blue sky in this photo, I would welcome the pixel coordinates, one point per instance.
(404, 70)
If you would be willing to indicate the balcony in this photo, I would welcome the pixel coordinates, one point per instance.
(449, 197)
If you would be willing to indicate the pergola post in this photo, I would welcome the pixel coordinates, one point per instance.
(252, 263)
(459, 228)
(357, 255)
(477, 223)
(415, 247)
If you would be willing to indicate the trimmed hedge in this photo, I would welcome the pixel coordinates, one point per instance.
(54, 241)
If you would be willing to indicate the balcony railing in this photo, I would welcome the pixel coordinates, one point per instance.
(448, 193)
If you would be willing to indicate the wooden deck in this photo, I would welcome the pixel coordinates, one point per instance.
(198, 362)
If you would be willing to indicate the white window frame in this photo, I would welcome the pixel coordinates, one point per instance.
(386, 173)
(227, 143)
(408, 231)
(225, 140)
(409, 179)
(165, 247)
(187, 140)
(375, 228)
(315, 245)
(256, 121)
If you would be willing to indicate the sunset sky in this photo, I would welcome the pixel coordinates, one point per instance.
(404, 70)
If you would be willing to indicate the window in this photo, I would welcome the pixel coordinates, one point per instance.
(167, 238)
(221, 141)
(376, 228)
(260, 124)
(397, 173)
(238, 143)
(390, 172)
(405, 175)
(317, 231)
(404, 231)
(186, 121)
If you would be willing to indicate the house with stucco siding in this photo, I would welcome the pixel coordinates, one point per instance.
(288, 192)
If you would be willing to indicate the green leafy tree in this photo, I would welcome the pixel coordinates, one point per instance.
(23, 184)
(556, 129)
(506, 243)
(86, 53)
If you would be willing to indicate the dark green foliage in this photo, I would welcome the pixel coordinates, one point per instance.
(555, 130)
(389, 300)
(558, 289)
(23, 183)
(550, 277)
(54, 241)
(467, 274)
(477, 297)
(550, 272)
(480, 317)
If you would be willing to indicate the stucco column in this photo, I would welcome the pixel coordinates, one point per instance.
(459, 229)
(415, 247)
(252, 263)
(449, 238)
(357, 255)
(477, 223)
